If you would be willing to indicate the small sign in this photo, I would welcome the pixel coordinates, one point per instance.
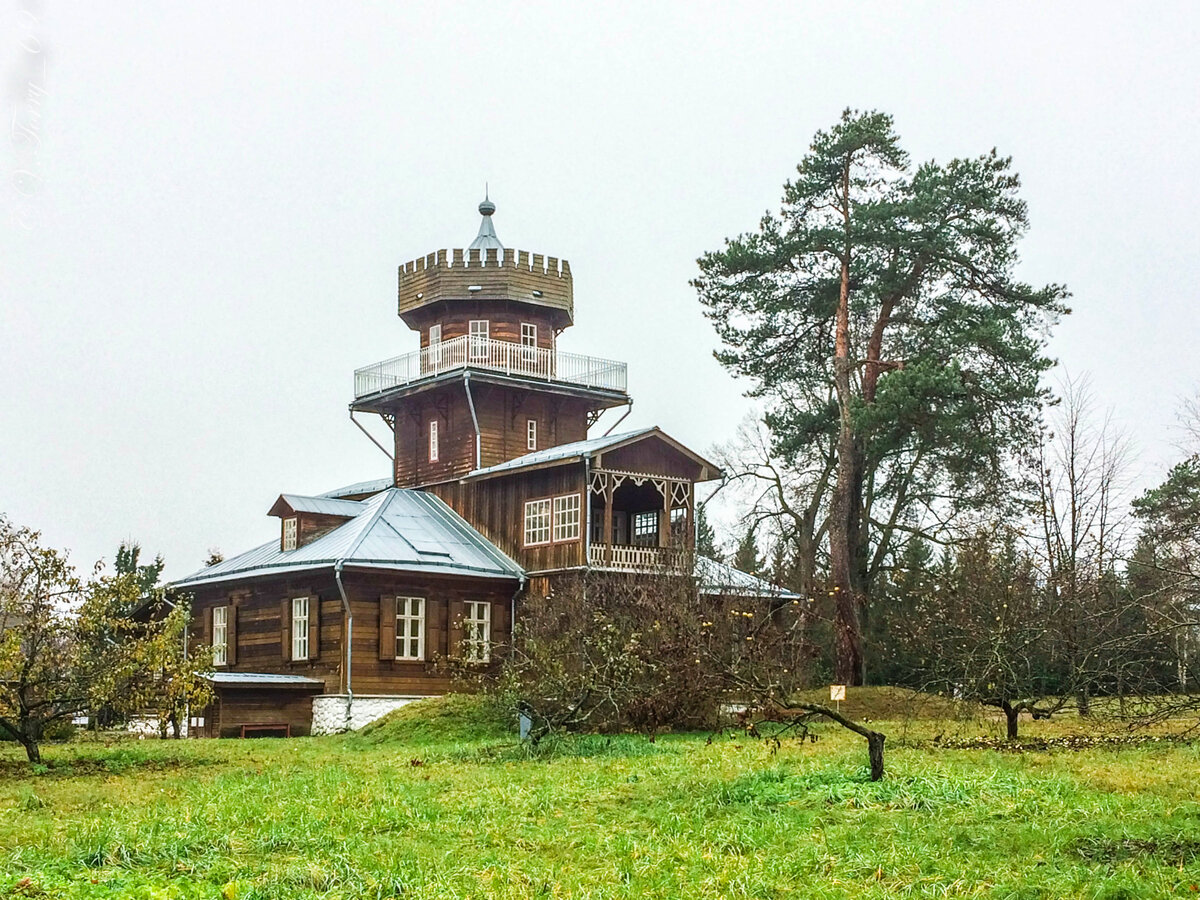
(837, 692)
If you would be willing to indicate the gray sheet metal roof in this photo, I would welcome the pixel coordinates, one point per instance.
(261, 679)
(718, 578)
(563, 451)
(374, 486)
(325, 506)
(397, 529)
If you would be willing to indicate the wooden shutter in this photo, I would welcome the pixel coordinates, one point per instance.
(387, 627)
(435, 629)
(314, 627)
(454, 629)
(208, 628)
(231, 635)
(285, 628)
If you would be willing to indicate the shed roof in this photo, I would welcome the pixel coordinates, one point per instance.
(718, 578)
(397, 529)
(262, 679)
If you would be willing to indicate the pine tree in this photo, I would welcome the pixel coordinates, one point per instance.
(706, 538)
(746, 557)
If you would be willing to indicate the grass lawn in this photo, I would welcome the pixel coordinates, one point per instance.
(434, 806)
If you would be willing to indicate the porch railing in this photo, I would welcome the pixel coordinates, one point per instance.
(509, 357)
(637, 559)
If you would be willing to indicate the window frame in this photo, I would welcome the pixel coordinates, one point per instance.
(220, 647)
(300, 634)
(477, 339)
(434, 446)
(477, 631)
(635, 533)
(546, 504)
(291, 534)
(404, 617)
(531, 434)
(559, 507)
(435, 344)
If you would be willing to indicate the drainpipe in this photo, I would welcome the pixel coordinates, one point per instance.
(349, 618)
(587, 500)
(512, 611)
(474, 419)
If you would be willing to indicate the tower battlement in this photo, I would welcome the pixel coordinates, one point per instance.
(472, 274)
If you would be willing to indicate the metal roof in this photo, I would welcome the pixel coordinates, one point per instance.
(563, 451)
(397, 529)
(486, 239)
(718, 578)
(374, 486)
(322, 505)
(261, 679)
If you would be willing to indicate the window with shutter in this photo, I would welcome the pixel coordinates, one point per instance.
(220, 634)
(410, 628)
(300, 628)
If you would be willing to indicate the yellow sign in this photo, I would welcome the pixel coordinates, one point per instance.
(837, 692)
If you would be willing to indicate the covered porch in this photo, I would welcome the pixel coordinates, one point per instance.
(639, 521)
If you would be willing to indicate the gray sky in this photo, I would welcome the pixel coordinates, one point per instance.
(204, 208)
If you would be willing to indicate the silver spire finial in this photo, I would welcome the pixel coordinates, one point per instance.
(486, 239)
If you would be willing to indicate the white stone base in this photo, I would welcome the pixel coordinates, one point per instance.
(329, 710)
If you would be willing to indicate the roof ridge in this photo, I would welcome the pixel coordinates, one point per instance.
(388, 495)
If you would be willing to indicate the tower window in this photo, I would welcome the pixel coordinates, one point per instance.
(289, 533)
(435, 344)
(531, 434)
(478, 341)
(528, 335)
(433, 441)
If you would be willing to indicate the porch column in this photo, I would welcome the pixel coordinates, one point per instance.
(607, 537)
(689, 541)
(664, 517)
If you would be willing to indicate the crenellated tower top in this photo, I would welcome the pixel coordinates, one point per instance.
(486, 271)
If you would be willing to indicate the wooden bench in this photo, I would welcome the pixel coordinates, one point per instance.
(267, 729)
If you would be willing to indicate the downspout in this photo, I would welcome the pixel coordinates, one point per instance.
(348, 614)
(474, 419)
(628, 410)
(512, 613)
(587, 499)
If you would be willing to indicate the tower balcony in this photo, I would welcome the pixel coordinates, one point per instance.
(490, 355)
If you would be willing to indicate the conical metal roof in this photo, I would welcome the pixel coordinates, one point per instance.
(486, 239)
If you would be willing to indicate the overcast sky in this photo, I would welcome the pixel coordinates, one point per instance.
(203, 211)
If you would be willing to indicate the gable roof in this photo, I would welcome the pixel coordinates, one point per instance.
(397, 529)
(718, 578)
(374, 486)
(298, 503)
(578, 450)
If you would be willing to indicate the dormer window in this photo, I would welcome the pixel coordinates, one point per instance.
(478, 341)
(290, 533)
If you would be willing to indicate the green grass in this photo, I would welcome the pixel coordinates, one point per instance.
(440, 801)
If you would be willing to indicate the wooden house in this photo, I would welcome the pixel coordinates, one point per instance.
(495, 488)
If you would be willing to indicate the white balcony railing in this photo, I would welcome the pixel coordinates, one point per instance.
(495, 356)
(637, 559)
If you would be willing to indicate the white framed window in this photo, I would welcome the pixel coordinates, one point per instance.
(300, 627)
(478, 340)
(566, 518)
(290, 532)
(531, 434)
(435, 344)
(537, 522)
(410, 628)
(433, 441)
(528, 335)
(220, 635)
(477, 631)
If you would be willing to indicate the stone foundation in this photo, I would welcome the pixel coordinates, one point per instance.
(329, 710)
